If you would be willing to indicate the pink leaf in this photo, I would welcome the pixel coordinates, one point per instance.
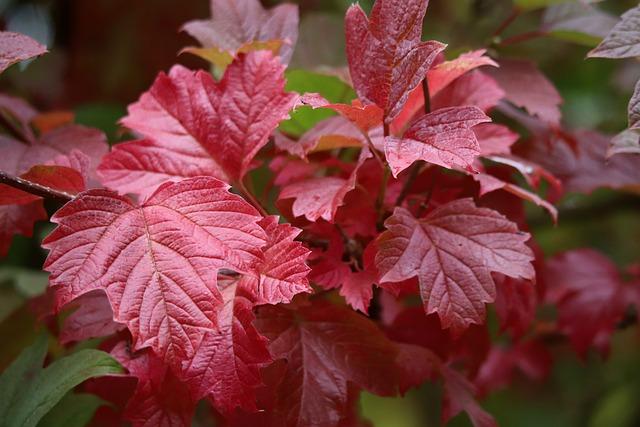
(452, 252)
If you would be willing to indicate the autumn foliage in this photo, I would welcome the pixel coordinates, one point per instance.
(272, 275)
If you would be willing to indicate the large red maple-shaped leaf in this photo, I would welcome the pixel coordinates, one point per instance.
(453, 251)
(157, 262)
(587, 289)
(325, 347)
(160, 399)
(443, 137)
(236, 23)
(386, 56)
(16, 47)
(195, 126)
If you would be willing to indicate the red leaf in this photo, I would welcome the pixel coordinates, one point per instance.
(325, 347)
(18, 219)
(473, 89)
(320, 197)
(528, 88)
(160, 399)
(157, 262)
(387, 60)
(283, 273)
(227, 361)
(235, 23)
(195, 126)
(587, 289)
(494, 138)
(586, 168)
(16, 47)
(459, 396)
(92, 318)
(452, 252)
(446, 72)
(443, 137)
(357, 288)
(516, 304)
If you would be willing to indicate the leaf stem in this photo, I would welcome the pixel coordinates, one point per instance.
(35, 188)
(515, 12)
(251, 199)
(519, 38)
(12, 129)
(383, 185)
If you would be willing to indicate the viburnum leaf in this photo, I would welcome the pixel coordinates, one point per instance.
(443, 137)
(578, 22)
(472, 89)
(357, 288)
(624, 40)
(452, 251)
(160, 399)
(325, 347)
(387, 58)
(526, 87)
(195, 126)
(320, 197)
(18, 219)
(237, 23)
(227, 361)
(92, 318)
(459, 396)
(587, 289)
(494, 138)
(516, 303)
(446, 72)
(157, 262)
(586, 168)
(16, 47)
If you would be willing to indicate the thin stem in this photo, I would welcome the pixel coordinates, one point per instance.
(383, 185)
(12, 129)
(427, 96)
(515, 12)
(251, 199)
(373, 150)
(519, 38)
(34, 188)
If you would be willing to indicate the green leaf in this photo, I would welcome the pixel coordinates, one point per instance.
(28, 283)
(74, 410)
(28, 392)
(332, 88)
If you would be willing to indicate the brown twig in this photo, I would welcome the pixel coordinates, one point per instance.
(515, 12)
(251, 199)
(519, 38)
(35, 188)
(12, 129)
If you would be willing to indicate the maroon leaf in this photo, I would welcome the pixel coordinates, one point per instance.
(93, 318)
(227, 361)
(325, 347)
(16, 47)
(195, 126)
(452, 252)
(386, 56)
(587, 289)
(624, 40)
(528, 88)
(516, 303)
(160, 399)
(157, 262)
(459, 396)
(235, 23)
(473, 89)
(443, 137)
(494, 138)
(18, 219)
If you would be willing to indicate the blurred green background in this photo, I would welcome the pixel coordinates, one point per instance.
(104, 53)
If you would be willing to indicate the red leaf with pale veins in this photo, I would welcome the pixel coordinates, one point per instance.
(326, 347)
(160, 399)
(235, 23)
(587, 289)
(624, 39)
(157, 262)
(459, 396)
(320, 197)
(528, 88)
(16, 47)
(446, 72)
(443, 137)
(227, 361)
(283, 272)
(195, 126)
(475, 89)
(452, 252)
(92, 318)
(386, 57)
